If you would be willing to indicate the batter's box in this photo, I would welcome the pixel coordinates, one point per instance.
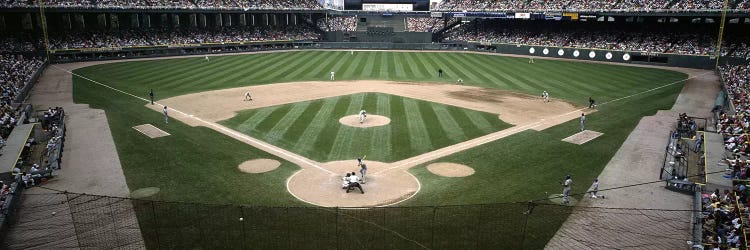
(582, 137)
(151, 131)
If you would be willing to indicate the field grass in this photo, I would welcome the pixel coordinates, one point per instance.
(311, 128)
(200, 165)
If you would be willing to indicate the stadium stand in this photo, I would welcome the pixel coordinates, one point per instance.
(426, 24)
(338, 23)
(170, 4)
(661, 39)
(154, 37)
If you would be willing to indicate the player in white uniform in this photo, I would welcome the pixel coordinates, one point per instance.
(333, 76)
(362, 116)
(207, 60)
(545, 95)
(566, 189)
(248, 97)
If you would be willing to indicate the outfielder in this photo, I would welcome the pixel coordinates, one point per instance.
(207, 60)
(362, 116)
(248, 97)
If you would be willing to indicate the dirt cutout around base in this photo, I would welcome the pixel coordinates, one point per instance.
(258, 166)
(582, 137)
(370, 121)
(325, 189)
(449, 169)
(151, 131)
(144, 192)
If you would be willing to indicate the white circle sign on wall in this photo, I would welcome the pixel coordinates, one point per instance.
(626, 57)
(545, 51)
(608, 55)
(576, 53)
(560, 52)
(532, 50)
(592, 54)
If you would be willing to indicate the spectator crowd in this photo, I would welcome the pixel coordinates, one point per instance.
(573, 5)
(15, 72)
(156, 37)
(636, 38)
(338, 23)
(426, 24)
(724, 218)
(169, 4)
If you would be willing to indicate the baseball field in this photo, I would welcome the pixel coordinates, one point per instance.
(491, 133)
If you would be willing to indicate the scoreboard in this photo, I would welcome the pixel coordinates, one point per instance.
(387, 5)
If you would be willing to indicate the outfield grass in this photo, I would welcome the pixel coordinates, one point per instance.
(311, 128)
(198, 164)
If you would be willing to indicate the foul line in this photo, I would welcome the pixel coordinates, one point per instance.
(501, 134)
(211, 124)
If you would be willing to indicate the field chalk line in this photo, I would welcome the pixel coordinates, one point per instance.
(500, 134)
(212, 124)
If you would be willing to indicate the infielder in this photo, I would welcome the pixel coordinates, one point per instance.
(333, 76)
(248, 97)
(362, 116)
(583, 121)
(545, 95)
(166, 115)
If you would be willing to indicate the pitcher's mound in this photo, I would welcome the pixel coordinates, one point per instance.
(371, 121)
(383, 188)
(448, 169)
(259, 166)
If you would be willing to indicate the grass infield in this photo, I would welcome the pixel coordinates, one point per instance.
(197, 164)
(312, 129)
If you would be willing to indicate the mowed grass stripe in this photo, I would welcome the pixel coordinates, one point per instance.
(451, 127)
(262, 75)
(220, 77)
(249, 124)
(493, 80)
(399, 126)
(271, 121)
(326, 66)
(378, 66)
(399, 70)
(281, 127)
(295, 131)
(242, 70)
(345, 135)
(173, 73)
(467, 127)
(436, 134)
(366, 72)
(410, 66)
(421, 67)
(512, 71)
(299, 73)
(504, 81)
(466, 73)
(324, 142)
(356, 65)
(478, 120)
(418, 135)
(289, 67)
(382, 136)
(315, 128)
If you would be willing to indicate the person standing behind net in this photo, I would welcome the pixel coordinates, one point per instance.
(594, 189)
(566, 189)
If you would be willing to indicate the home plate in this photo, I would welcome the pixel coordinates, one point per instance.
(151, 131)
(582, 137)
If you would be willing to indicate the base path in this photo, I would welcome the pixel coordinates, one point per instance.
(320, 183)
